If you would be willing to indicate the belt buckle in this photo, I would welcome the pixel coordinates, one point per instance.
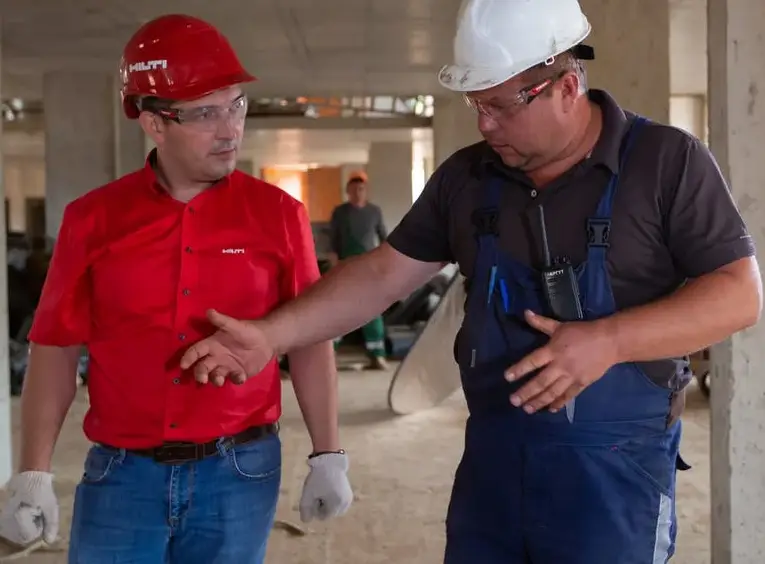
(176, 453)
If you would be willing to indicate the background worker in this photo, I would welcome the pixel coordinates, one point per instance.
(357, 227)
(571, 447)
(179, 473)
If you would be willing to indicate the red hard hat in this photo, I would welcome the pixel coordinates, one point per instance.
(177, 57)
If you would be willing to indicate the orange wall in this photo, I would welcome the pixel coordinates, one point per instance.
(324, 192)
(320, 189)
(294, 182)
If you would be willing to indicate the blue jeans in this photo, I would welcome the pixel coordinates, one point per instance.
(130, 509)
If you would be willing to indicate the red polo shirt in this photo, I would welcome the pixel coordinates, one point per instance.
(132, 275)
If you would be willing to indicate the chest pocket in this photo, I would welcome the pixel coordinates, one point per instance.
(131, 280)
(243, 279)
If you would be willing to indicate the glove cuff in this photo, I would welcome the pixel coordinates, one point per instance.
(335, 460)
(30, 481)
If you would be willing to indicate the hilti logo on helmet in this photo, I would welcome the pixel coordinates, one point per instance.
(147, 66)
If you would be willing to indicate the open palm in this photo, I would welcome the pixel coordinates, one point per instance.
(238, 350)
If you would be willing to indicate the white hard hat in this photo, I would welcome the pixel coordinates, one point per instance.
(499, 39)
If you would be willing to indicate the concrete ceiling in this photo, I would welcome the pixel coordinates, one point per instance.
(295, 47)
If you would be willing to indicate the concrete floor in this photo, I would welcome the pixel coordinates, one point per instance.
(401, 470)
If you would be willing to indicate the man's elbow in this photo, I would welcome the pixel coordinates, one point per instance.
(748, 291)
(752, 312)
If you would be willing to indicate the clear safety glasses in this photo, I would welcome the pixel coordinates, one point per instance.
(499, 110)
(207, 118)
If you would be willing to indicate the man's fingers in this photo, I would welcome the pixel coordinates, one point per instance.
(541, 323)
(549, 395)
(194, 353)
(218, 376)
(237, 377)
(203, 369)
(535, 386)
(224, 322)
(573, 390)
(531, 362)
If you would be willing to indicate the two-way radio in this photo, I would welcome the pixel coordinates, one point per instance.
(559, 280)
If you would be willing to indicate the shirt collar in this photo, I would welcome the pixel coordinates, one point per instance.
(606, 150)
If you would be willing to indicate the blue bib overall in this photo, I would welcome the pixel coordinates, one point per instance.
(591, 486)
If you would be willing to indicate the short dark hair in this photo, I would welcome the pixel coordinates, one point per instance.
(565, 62)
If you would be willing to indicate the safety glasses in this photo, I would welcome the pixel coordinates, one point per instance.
(207, 118)
(505, 109)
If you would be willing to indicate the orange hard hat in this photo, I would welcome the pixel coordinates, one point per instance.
(359, 175)
(177, 57)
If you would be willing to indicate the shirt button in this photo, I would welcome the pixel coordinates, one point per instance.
(533, 193)
(176, 381)
(191, 209)
(188, 249)
(186, 291)
(181, 336)
(173, 425)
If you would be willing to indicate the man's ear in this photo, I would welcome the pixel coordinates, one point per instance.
(570, 90)
(152, 125)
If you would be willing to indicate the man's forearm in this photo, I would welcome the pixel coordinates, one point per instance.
(344, 299)
(50, 385)
(314, 377)
(705, 311)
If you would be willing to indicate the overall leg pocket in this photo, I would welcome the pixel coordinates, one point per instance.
(600, 505)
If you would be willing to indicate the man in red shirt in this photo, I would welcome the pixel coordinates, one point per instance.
(180, 472)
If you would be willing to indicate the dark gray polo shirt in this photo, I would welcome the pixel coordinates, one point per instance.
(673, 214)
(352, 225)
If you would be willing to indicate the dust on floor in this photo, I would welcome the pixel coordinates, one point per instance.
(401, 471)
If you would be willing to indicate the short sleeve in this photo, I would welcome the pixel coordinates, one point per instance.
(62, 317)
(705, 230)
(423, 233)
(303, 268)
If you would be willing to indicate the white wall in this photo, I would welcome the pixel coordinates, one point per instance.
(23, 177)
(688, 48)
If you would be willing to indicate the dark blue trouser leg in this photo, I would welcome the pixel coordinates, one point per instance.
(484, 520)
(601, 504)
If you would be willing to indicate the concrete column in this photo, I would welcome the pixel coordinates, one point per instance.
(390, 179)
(631, 41)
(130, 143)
(80, 138)
(454, 126)
(737, 130)
(6, 463)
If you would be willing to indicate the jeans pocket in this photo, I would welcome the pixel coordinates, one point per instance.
(100, 464)
(257, 461)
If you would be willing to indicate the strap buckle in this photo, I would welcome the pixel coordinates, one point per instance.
(486, 221)
(598, 232)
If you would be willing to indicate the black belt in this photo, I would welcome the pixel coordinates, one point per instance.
(179, 452)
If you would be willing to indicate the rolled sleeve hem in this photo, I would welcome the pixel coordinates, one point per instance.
(722, 255)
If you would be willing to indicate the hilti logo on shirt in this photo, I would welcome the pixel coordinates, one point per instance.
(233, 251)
(148, 65)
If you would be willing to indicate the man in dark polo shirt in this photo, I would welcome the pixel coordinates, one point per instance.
(573, 361)
(180, 473)
(357, 227)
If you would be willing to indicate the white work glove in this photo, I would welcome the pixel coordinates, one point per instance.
(326, 491)
(32, 510)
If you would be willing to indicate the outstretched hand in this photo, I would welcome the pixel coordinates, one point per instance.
(577, 354)
(236, 351)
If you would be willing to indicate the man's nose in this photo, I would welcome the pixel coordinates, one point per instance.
(228, 128)
(486, 123)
